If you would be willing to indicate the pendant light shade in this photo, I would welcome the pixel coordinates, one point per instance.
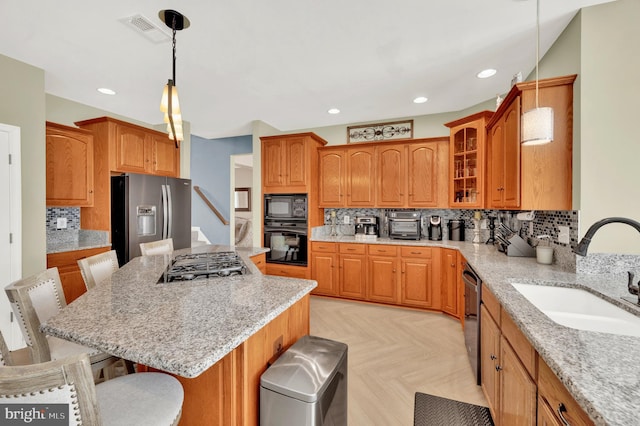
(169, 103)
(537, 124)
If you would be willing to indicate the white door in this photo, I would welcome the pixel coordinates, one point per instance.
(10, 228)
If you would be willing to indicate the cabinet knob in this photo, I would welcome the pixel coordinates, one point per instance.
(453, 265)
(492, 356)
(498, 368)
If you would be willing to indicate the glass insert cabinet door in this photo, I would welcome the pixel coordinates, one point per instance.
(466, 170)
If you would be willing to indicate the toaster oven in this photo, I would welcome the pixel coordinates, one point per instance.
(404, 225)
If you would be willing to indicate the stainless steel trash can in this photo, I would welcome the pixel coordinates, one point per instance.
(306, 386)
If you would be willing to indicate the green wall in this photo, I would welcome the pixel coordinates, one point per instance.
(23, 105)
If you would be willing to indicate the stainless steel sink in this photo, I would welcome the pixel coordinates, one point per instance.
(580, 309)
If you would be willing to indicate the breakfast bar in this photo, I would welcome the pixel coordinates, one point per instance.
(216, 335)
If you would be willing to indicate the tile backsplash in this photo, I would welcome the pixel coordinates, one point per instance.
(72, 214)
(544, 223)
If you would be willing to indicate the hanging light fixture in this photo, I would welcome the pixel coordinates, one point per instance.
(537, 124)
(169, 103)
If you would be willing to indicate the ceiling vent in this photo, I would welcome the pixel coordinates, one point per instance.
(143, 25)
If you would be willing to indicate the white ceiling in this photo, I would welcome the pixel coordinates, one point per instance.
(285, 62)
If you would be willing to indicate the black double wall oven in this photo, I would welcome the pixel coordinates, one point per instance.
(285, 228)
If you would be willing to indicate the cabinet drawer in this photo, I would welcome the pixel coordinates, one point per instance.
(382, 250)
(287, 271)
(492, 304)
(353, 248)
(416, 252)
(551, 389)
(323, 247)
(519, 342)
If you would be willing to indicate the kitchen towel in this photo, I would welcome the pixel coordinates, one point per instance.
(432, 410)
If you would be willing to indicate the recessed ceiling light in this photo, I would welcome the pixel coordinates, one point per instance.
(106, 91)
(333, 111)
(489, 72)
(420, 100)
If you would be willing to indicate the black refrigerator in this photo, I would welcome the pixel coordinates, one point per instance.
(147, 208)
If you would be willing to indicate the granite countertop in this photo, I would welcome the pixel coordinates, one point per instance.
(182, 328)
(59, 241)
(601, 370)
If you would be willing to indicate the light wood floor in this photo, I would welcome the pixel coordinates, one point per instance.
(394, 353)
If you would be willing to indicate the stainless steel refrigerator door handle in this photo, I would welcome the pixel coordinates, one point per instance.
(170, 217)
(164, 212)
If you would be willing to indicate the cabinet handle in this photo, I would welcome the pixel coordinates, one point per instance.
(493, 357)
(351, 249)
(561, 410)
(416, 252)
(498, 368)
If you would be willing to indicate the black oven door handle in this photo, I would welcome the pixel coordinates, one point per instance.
(287, 230)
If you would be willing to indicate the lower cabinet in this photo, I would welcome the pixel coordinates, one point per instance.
(393, 274)
(70, 276)
(260, 260)
(287, 270)
(450, 278)
(420, 286)
(352, 272)
(383, 266)
(519, 386)
(339, 269)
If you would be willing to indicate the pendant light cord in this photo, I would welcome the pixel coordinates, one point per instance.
(173, 27)
(537, 45)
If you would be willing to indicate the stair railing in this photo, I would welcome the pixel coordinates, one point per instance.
(211, 206)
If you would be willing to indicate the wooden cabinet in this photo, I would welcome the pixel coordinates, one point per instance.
(140, 150)
(451, 291)
(324, 268)
(535, 177)
(489, 353)
(289, 162)
(69, 166)
(508, 363)
(420, 286)
(427, 173)
(391, 187)
(287, 270)
(467, 160)
(260, 261)
(383, 269)
(361, 177)
(67, 263)
(332, 178)
(411, 174)
(339, 269)
(555, 401)
(121, 147)
(504, 159)
(352, 278)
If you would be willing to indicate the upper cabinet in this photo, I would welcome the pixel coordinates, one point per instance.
(69, 166)
(385, 174)
(287, 162)
(140, 150)
(467, 159)
(535, 177)
(504, 159)
(121, 147)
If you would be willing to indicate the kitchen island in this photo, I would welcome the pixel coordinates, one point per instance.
(600, 370)
(216, 335)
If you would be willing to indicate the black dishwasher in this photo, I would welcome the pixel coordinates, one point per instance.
(472, 298)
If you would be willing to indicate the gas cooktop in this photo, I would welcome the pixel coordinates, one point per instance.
(198, 266)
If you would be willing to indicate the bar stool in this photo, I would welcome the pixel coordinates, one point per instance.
(97, 268)
(157, 247)
(150, 399)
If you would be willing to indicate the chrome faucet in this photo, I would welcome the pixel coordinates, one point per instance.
(633, 289)
(583, 245)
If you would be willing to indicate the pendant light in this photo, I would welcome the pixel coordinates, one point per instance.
(170, 104)
(537, 124)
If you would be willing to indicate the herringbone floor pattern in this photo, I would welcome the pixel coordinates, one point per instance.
(394, 353)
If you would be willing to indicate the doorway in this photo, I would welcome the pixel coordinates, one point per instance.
(10, 229)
